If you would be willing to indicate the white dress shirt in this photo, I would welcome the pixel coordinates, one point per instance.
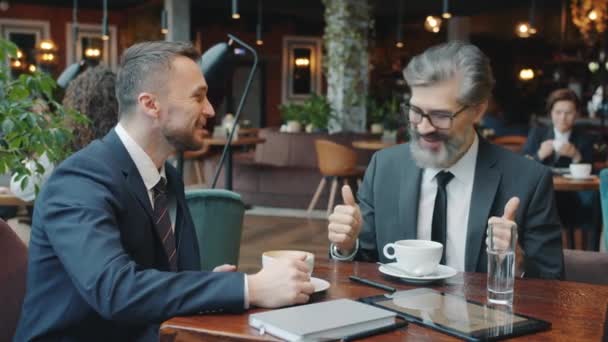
(459, 191)
(151, 175)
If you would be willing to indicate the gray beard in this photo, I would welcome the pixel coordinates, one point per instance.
(452, 150)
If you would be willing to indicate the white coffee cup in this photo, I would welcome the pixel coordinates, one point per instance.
(557, 144)
(416, 257)
(270, 256)
(580, 170)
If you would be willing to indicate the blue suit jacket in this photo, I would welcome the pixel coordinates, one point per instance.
(97, 270)
(390, 194)
(538, 135)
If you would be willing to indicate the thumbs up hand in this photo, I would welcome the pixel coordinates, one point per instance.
(345, 223)
(501, 226)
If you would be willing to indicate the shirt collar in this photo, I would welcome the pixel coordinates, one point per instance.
(463, 170)
(561, 136)
(144, 164)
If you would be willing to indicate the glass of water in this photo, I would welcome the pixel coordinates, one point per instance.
(501, 264)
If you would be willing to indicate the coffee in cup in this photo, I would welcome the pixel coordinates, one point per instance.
(580, 170)
(416, 257)
(269, 256)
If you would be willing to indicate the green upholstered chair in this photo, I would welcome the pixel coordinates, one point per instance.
(218, 219)
(604, 202)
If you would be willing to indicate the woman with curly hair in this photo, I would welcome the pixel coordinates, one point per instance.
(93, 94)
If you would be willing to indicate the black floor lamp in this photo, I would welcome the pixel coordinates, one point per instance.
(215, 64)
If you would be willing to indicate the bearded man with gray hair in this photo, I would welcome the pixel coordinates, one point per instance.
(448, 184)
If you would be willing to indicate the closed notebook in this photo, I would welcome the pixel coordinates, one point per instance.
(320, 321)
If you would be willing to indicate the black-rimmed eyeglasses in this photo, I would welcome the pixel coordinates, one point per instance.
(438, 118)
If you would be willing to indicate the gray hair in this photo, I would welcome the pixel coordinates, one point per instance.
(144, 67)
(443, 62)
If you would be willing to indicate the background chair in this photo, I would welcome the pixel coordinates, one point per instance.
(218, 219)
(604, 203)
(586, 266)
(197, 158)
(514, 143)
(13, 268)
(335, 162)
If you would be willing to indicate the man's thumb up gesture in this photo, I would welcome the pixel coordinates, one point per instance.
(345, 223)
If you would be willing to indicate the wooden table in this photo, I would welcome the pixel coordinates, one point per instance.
(12, 200)
(561, 183)
(577, 311)
(372, 144)
(241, 141)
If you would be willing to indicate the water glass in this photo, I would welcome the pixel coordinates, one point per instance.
(501, 267)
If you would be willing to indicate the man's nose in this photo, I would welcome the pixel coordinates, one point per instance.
(208, 110)
(425, 127)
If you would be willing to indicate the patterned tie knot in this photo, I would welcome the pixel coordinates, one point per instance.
(443, 178)
(161, 186)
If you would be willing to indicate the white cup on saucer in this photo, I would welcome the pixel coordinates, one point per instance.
(580, 170)
(416, 257)
(270, 256)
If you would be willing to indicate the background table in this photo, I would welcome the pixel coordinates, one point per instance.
(241, 141)
(577, 311)
(12, 200)
(561, 183)
(372, 144)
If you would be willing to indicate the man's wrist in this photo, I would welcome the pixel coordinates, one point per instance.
(336, 254)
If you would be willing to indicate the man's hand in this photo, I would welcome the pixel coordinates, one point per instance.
(501, 233)
(570, 151)
(280, 283)
(225, 268)
(345, 223)
(545, 150)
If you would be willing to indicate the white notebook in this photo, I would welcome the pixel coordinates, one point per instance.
(320, 321)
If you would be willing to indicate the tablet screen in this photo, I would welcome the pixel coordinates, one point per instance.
(454, 314)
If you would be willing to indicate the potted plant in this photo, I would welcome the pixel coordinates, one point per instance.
(32, 123)
(317, 113)
(391, 119)
(292, 114)
(375, 116)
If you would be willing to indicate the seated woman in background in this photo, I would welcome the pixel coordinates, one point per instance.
(560, 145)
(92, 94)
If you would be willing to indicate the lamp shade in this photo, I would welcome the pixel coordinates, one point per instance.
(69, 74)
(215, 63)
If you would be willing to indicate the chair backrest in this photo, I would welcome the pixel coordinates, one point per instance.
(13, 267)
(514, 143)
(218, 219)
(334, 159)
(604, 203)
(586, 266)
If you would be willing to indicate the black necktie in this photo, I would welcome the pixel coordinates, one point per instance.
(163, 221)
(440, 211)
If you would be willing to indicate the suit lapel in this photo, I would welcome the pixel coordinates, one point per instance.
(486, 181)
(135, 184)
(409, 196)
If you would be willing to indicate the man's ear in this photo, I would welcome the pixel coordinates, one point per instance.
(147, 102)
(480, 111)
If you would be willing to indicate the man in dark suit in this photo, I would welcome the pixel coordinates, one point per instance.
(113, 251)
(447, 184)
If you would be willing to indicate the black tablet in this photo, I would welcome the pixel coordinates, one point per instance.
(457, 316)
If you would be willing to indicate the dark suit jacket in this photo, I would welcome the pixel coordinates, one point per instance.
(390, 192)
(97, 270)
(540, 134)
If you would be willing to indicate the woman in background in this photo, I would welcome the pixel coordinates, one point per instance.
(560, 145)
(92, 93)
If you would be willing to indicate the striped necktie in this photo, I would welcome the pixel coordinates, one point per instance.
(163, 221)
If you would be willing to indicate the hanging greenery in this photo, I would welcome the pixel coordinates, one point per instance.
(347, 24)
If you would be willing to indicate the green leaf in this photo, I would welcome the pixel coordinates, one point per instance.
(7, 125)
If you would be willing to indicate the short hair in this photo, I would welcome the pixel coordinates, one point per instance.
(144, 66)
(563, 94)
(445, 61)
(92, 93)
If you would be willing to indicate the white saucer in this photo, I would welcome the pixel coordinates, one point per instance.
(319, 284)
(442, 272)
(569, 176)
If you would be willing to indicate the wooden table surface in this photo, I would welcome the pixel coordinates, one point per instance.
(561, 183)
(12, 200)
(241, 141)
(577, 311)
